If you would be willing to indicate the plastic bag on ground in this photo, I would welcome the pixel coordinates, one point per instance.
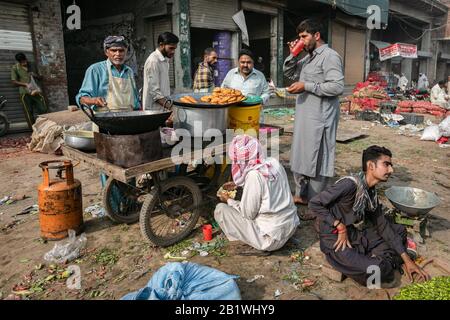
(444, 126)
(71, 250)
(188, 281)
(431, 133)
(96, 211)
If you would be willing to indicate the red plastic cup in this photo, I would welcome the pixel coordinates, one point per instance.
(207, 232)
(295, 51)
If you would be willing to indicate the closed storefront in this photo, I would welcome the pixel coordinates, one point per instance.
(212, 25)
(350, 43)
(160, 25)
(213, 14)
(15, 37)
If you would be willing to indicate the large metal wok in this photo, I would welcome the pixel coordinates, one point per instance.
(412, 201)
(127, 123)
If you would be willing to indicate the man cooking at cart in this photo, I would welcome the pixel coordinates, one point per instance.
(110, 85)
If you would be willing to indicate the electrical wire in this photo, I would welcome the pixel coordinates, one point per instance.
(424, 31)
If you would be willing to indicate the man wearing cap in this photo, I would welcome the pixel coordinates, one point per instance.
(110, 85)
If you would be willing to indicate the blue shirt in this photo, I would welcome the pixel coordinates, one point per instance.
(96, 81)
(254, 85)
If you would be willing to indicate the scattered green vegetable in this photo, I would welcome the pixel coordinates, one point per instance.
(435, 289)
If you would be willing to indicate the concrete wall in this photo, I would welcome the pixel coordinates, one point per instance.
(49, 45)
(447, 29)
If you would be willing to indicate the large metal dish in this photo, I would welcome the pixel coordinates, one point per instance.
(175, 99)
(81, 140)
(127, 123)
(197, 119)
(412, 201)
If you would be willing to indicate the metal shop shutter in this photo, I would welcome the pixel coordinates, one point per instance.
(338, 39)
(15, 36)
(354, 56)
(213, 14)
(160, 26)
(350, 43)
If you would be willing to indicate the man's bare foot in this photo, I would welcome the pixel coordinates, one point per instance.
(300, 200)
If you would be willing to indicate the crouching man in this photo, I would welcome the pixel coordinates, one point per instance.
(354, 232)
(266, 216)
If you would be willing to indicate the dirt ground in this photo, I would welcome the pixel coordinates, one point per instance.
(118, 260)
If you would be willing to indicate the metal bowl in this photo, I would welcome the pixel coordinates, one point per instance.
(412, 201)
(81, 140)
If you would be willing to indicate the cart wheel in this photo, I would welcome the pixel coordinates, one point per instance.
(170, 216)
(122, 202)
(4, 125)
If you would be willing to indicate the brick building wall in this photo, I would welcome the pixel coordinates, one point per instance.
(49, 46)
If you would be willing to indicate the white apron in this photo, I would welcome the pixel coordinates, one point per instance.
(120, 96)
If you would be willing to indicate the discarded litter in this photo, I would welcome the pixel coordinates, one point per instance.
(96, 211)
(168, 256)
(444, 127)
(5, 200)
(277, 293)
(204, 253)
(29, 210)
(431, 133)
(62, 253)
(257, 277)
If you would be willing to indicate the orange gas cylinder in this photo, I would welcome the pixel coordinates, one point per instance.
(60, 201)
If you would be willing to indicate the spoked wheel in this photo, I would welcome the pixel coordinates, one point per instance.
(171, 215)
(122, 202)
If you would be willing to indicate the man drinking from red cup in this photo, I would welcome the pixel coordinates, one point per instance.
(319, 80)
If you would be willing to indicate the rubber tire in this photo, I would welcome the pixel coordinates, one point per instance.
(4, 120)
(110, 212)
(150, 202)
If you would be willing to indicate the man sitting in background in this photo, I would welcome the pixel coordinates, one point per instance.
(439, 96)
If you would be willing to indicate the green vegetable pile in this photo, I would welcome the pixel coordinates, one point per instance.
(435, 289)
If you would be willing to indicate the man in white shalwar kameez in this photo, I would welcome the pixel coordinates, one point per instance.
(439, 96)
(266, 217)
(423, 83)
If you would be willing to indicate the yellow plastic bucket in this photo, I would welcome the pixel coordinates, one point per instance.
(245, 118)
